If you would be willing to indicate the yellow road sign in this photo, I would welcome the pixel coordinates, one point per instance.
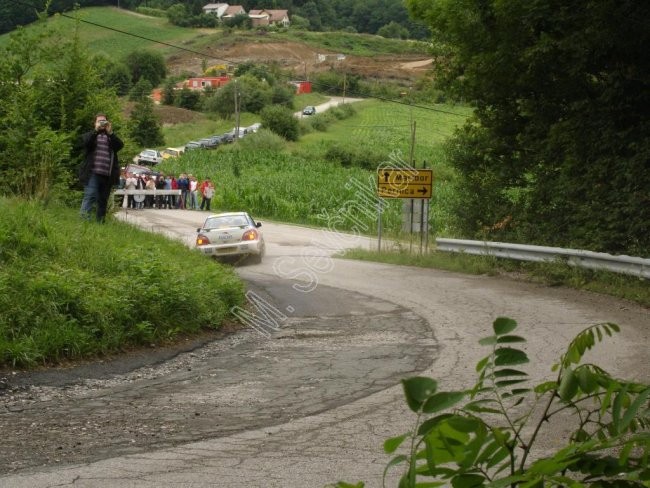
(404, 183)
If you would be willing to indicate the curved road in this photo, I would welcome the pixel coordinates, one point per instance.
(308, 392)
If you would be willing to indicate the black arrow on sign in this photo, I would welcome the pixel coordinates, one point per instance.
(386, 175)
(423, 190)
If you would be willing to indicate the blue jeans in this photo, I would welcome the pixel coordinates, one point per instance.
(96, 193)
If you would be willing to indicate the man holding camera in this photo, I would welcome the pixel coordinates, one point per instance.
(100, 169)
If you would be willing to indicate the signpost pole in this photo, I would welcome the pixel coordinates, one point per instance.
(379, 225)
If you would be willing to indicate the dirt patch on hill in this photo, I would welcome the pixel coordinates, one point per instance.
(302, 60)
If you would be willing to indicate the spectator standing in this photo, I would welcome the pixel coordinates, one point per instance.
(100, 169)
(130, 184)
(149, 185)
(194, 193)
(207, 192)
(160, 185)
(139, 199)
(184, 187)
(174, 186)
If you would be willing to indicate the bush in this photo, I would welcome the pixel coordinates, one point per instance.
(348, 156)
(262, 140)
(280, 120)
(487, 440)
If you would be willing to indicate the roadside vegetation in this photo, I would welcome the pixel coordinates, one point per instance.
(72, 290)
(556, 273)
(595, 426)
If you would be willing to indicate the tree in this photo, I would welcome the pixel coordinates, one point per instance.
(187, 98)
(148, 65)
(50, 92)
(280, 120)
(393, 30)
(144, 126)
(169, 93)
(299, 22)
(142, 89)
(560, 141)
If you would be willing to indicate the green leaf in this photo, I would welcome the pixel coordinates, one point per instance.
(482, 363)
(498, 456)
(520, 391)
(431, 423)
(442, 401)
(467, 481)
(394, 462)
(510, 339)
(545, 387)
(504, 325)
(586, 380)
(499, 373)
(463, 424)
(507, 356)
(390, 445)
(417, 390)
(568, 385)
(617, 406)
(488, 341)
(501, 384)
(631, 412)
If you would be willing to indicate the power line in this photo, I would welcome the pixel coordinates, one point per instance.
(206, 55)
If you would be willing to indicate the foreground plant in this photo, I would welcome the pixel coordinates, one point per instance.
(487, 440)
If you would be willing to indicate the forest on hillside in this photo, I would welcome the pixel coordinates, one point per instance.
(364, 16)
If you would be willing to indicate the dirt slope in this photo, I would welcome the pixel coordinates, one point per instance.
(303, 60)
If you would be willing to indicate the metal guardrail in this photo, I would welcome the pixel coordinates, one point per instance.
(147, 192)
(628, 265)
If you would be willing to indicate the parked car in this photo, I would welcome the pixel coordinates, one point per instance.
(210, 142)
(137, 170)
(227, 137)
(231, 234)
(253, 128)
(193, 145)
(148, 156)
(309, 110)
(172, 152)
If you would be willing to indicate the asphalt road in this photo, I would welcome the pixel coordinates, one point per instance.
(307, 395)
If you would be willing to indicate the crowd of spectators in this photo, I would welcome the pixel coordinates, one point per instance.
(194, 195)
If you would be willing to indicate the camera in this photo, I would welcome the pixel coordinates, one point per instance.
(103, 123)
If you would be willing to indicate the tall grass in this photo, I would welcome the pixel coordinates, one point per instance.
(71, 289)
(305, 184)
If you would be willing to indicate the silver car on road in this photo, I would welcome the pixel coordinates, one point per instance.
(231, 234)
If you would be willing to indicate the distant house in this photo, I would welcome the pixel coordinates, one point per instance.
(233, 10)
(269, 17)
(203, 82)
(217, 9)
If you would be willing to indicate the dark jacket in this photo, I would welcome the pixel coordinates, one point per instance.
(89, 142)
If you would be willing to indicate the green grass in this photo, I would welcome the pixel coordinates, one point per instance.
(305, 99)
(71, 289)
(550, 274)
(115, 44)
(354, 44)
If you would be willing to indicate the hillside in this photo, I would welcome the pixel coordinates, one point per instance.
(116, 32)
